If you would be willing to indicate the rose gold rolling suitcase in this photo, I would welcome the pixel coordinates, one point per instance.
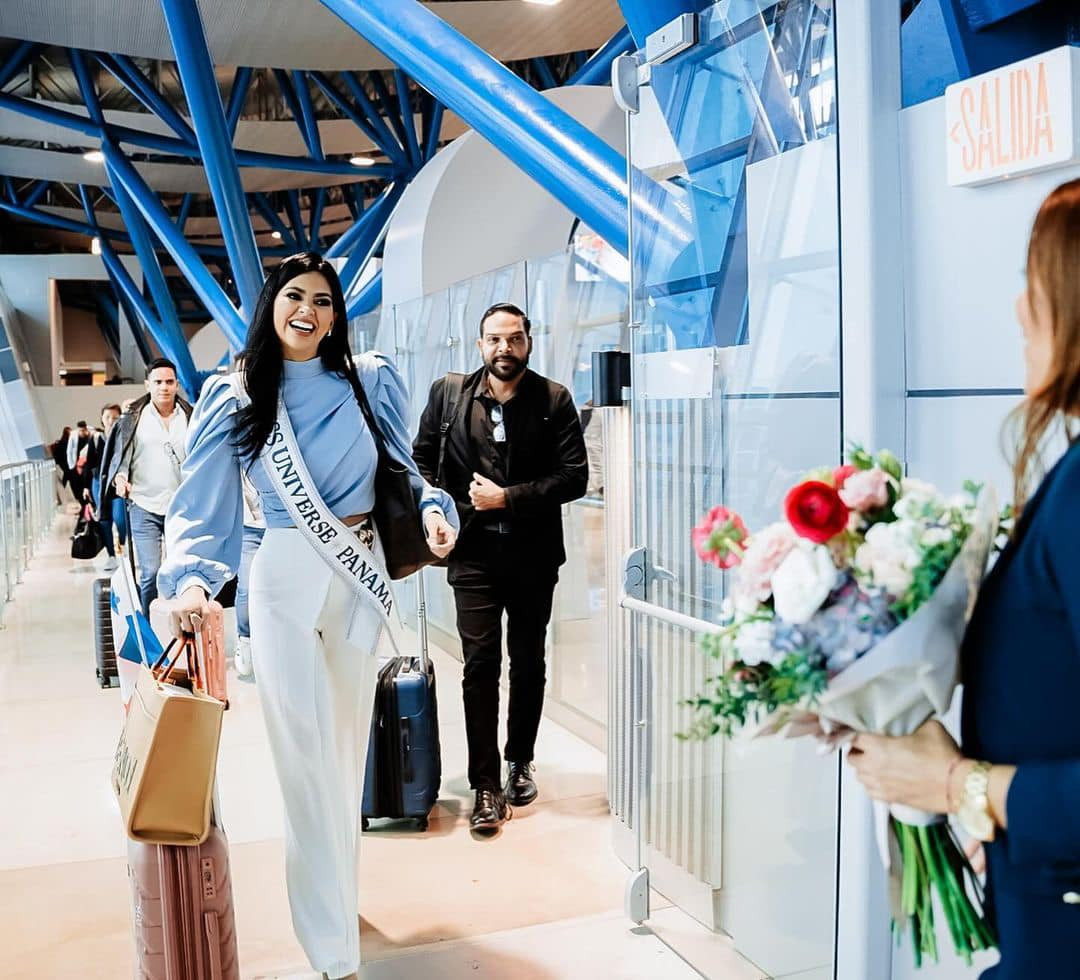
(182, 910)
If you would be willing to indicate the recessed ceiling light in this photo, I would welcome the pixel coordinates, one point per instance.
(95, 246)
(94, 156)
(361, 161)
(276, 234)
(543, 3)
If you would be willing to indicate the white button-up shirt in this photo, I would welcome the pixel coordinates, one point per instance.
(154, 473)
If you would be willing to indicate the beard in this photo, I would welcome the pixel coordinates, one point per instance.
(506, 367)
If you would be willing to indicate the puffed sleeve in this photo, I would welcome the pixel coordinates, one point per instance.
(204, 524)
(389, 401)
(1043, 796)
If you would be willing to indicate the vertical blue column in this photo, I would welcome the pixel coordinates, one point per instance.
(204, 100)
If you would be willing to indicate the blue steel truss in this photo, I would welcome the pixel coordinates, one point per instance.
(400, 118)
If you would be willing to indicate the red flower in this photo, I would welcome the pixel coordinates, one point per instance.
(815, 511)
(719, 537)
(841, 474)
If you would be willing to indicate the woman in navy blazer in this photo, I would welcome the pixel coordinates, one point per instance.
(1021, 654)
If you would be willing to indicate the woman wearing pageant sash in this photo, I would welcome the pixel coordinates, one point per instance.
(1016, 784)
(314, 632)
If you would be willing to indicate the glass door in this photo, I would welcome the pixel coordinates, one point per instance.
(735, 343)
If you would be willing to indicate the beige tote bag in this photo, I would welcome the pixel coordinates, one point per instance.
(163, 772)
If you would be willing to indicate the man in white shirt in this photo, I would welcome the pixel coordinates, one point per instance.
(143, 465)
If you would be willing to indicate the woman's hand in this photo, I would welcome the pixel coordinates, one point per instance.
(441, 537)
(187, 611)
(908, 769)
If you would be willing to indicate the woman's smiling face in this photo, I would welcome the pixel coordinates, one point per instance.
(303, 315)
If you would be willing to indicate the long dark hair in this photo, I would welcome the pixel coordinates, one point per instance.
(263, 360)
(1052, 263)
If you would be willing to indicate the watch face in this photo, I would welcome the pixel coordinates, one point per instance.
(976, 822)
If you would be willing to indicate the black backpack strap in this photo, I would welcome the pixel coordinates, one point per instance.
(452, 389)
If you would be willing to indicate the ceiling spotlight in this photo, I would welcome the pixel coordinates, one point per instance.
(362, 161)
(94, 156)
(543, 3)
(276, 235)
(95, 246)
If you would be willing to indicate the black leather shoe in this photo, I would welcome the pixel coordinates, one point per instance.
(520, 785)
(489, 812)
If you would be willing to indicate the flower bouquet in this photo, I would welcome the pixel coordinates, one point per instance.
(847, 616)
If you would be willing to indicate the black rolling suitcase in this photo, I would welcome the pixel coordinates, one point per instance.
(104, 650)
(404, 763)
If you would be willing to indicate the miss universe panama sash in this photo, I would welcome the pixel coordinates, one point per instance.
(339, 547)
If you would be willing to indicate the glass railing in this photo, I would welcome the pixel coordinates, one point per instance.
(27, 506)
(577, 303)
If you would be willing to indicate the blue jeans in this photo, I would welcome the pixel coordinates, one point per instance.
(147, 533)
(252, 539)
(105, 517)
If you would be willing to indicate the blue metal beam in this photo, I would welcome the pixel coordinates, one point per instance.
(288, 93)
(237, 97)
(273, 219)
(183, 253)
(131, 313)
(185, 210)
(597, 70)
(387, 142)
(386, 106)
(350, 112)
(292, 207)
(129, 294)
(543, 69)
(316, 206)
(553, 148)
(368, 223)
(307, 119)
(369, 297)
(17, 60)
(215, 143)
(412, 146)
(135, 82)
(39, 191)
(431, 144)
(176, 147)
(56, 221)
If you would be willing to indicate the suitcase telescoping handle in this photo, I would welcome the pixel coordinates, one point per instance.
(421, 622)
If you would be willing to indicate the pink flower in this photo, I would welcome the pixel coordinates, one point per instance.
(842, 474)
(866, 490)
(765, 552)
(719, 537)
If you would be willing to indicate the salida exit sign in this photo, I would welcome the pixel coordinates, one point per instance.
(1014, 120)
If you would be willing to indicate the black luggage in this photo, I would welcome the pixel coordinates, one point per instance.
(104, 650)
(404, 762)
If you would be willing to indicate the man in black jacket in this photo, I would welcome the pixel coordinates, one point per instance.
(507, 445)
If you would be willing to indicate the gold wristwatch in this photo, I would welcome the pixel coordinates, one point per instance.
(973, 812)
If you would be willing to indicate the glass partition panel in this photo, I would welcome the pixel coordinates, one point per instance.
(736, 394)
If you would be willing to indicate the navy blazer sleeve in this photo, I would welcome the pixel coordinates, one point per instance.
(1044, 797)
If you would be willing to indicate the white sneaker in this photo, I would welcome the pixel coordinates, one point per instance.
(111, 564)
(242, 658)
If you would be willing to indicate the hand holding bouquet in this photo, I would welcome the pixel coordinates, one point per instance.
(848, 616)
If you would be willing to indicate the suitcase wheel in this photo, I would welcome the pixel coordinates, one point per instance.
(364, 823)
(103, 680)
(422, 824)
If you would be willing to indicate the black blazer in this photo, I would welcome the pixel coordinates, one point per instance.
(1021, 672)
(546, 465)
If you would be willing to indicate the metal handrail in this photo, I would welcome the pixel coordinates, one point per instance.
(26, 513)
(669, 616)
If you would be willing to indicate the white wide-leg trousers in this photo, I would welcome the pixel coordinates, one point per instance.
(317, 691)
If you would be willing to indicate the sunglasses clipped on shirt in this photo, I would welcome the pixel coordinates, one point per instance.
(498, 433)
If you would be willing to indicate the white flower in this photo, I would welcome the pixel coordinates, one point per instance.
(803, 582)
(918, 499)
(933, 536)
(753, 643)
(890, 555)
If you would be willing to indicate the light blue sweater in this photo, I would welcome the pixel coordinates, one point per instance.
(204, 525)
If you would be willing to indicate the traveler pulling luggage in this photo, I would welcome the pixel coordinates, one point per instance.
(404, 761)
(104, 648)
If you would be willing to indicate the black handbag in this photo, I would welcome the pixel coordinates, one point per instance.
(396, 512)
(88, 539)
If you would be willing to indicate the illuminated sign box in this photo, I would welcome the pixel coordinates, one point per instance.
(1014, 120)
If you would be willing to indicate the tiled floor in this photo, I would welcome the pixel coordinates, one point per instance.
(543, 900)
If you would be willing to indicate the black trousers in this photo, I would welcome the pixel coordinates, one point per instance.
(495, 578)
